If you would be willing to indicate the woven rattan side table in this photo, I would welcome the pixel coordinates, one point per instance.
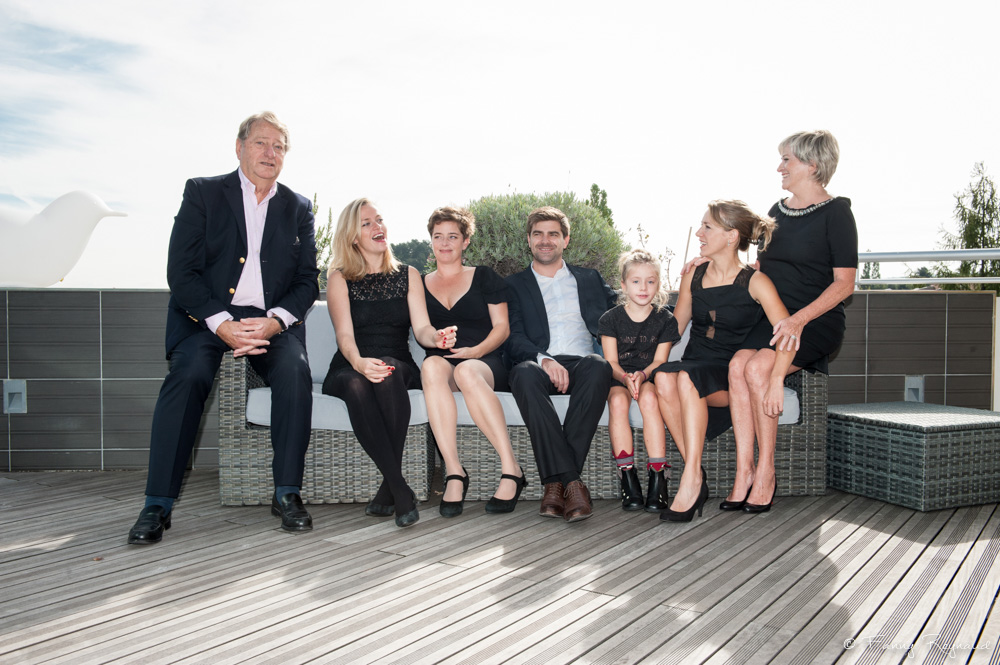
(921, 456)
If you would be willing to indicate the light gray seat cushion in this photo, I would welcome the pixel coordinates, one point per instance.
(328, 412)
(331, 412)
(561, 402)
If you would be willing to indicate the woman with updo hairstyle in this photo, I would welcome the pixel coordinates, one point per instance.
(723, 299)
(471, 303)
(374, 300)
(813, 261)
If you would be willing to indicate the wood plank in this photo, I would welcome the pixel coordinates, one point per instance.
(227, 586)
(905, 611)
(954, 629)
(887, 535)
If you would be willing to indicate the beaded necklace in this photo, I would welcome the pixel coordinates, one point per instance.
(800, 212)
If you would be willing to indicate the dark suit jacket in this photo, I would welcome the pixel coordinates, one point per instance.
(208, 246)
(529, 324)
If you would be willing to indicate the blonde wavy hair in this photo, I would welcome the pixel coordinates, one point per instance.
(347, 257)
(639, 257)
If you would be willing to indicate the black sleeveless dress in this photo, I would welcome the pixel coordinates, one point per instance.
(721, 318)
(381, 320)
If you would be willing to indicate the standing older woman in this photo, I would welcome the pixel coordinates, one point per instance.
(471, 301)
(812, 260)
(373, 301)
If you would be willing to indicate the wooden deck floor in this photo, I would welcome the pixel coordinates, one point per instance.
(227, 586)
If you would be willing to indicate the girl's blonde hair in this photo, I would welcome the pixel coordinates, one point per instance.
(737, 215)
(637, 257)
(347, 257)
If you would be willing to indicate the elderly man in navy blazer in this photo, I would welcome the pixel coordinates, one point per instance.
(554, 310)
(242, 273)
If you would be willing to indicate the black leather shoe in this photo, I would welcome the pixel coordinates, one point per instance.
(293, 514)
(410, 518)
(631, 489)
(149, 527)
(736, 505)
(761, 508)
(495, 505)
(379, 510)
(657, 497)
(454, 508)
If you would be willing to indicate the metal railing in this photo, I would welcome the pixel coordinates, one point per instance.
(933, 255)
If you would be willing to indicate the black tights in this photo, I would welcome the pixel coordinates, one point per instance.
(380, 415)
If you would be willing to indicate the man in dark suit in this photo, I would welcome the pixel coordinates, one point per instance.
(554, 310)
(242, 273)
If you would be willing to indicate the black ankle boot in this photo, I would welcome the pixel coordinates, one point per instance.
(631, 489)
(657, 497)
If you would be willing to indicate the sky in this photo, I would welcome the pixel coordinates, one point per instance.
(664, 105)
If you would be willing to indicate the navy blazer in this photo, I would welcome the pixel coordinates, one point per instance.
(208, 246)
(529, 324)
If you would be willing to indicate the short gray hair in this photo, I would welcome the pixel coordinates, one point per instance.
(818, 148)
(264, 116)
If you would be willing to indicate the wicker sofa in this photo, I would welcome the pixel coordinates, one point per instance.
(338, 471)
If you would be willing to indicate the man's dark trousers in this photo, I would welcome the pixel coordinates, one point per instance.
(194, 362)
(562, 448)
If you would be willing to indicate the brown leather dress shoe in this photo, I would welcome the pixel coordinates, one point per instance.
(552, 501)
(577, 502)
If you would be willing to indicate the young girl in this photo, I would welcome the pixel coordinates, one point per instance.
(636, 338)
(723, 299)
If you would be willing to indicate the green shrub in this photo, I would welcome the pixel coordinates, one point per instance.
(501, 240)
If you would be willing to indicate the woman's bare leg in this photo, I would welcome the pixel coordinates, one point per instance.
(758, 374)
(670, 408)
(475, 379)
(743, 424)
(437, 377)
(694, 410)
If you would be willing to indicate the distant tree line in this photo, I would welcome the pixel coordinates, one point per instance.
(977, 214)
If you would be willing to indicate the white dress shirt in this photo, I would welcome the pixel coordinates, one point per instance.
(568, 333)
(250, 288)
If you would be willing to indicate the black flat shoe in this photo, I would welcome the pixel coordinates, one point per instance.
(410, 518)
(761, 508)
(657, 496)
(669, 515)
(149, 528)
(294, 516)
(495, 505)
(454, 508)
(381, 504)
(379, 510)
(631, 489)
(736, 505)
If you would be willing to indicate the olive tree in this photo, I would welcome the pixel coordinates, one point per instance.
(501, 239)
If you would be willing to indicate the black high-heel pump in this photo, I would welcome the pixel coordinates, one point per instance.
(736, 505)
(669, 515)
(761, 508)
(495, 505)
(454, 508)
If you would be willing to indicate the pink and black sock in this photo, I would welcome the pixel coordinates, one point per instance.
(657, 464)
(625, 459)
